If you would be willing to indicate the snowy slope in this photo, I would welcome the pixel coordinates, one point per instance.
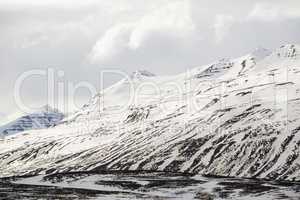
(44, 118)
(235, 117)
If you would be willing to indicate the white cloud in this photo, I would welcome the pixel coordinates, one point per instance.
(31, 42)
(262, 11)
(272, 11)
(222, 26)
(114, 41)
(172, 20)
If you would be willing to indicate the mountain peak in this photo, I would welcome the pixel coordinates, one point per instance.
(44, 117)
(141, 73)
(287, 51)
(48, 109)
(260, 53)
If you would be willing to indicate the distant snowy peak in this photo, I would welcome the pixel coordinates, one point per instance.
(47, 109)
(215, 69)
(260, 53)
(43, 118)
(141, 73)
(235, 67)
(287, 51)
(230, 68)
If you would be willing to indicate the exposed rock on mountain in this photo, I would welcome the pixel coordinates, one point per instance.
(235, 117)
(44, 118)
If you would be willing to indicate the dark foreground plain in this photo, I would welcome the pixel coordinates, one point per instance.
(143, 185)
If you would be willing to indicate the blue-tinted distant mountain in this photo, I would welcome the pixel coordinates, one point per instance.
(44, 118)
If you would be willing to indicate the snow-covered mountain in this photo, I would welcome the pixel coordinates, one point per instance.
(44, 118)
(234, 117)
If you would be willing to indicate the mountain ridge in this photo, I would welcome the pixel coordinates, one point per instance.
(232, 118)
(44, 117)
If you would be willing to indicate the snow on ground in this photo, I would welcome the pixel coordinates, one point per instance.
(234, 117)
(159, 186)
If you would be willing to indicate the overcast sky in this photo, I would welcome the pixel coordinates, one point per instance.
(82, 37)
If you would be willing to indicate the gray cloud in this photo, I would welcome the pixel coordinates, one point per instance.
(164, 36)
